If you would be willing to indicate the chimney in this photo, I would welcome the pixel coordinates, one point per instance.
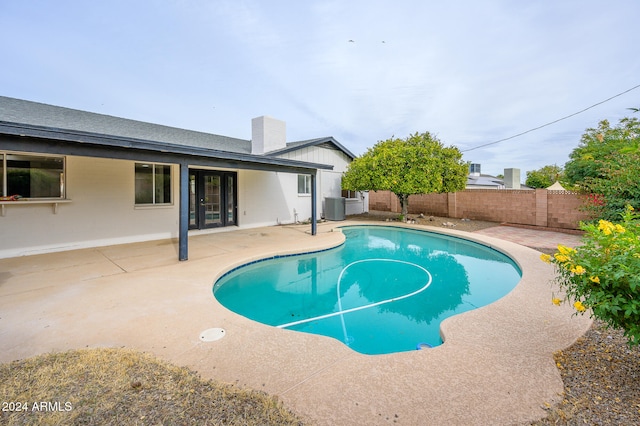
(267, 134)
(512, 178)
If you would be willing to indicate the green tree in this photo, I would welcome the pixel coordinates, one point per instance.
(419, 164)
(606, 164)
(544, 177)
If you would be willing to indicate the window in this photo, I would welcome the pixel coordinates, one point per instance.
(304, 184)
(32, 176)
(153, 183)
(346, 193)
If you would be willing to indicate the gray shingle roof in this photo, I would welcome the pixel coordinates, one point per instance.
(39, 114)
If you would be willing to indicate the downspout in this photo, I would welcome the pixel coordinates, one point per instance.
(314, 204)
(183, 223)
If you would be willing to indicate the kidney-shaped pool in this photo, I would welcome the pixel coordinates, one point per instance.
(385, 290)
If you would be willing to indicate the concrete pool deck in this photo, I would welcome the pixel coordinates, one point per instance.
(496, 366)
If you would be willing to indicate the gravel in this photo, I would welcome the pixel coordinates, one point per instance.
(437, 221)
(601, 376)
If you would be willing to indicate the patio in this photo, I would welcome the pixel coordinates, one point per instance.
(495, 367)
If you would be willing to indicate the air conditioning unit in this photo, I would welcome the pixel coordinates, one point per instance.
(334, 208)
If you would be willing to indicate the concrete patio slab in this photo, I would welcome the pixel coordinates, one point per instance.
(495, 367)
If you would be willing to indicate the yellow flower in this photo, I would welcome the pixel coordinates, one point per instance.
(605, 226)
(565, 250)
(578, 270)
(545, 258)
(561, 257)
(595, 279)
(579, 306)
(556, 301)
(630, 207)
(620, 229)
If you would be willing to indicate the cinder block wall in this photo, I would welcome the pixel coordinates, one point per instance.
(431, 204)
(564, 209)
(556, 209)
(506, 205)
(385, 201)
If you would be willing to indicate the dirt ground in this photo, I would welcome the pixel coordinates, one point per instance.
(443, 222)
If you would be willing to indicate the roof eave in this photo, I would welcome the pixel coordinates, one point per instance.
(312, 142)
(87, 138)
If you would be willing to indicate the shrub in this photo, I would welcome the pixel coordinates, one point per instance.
(603, 274)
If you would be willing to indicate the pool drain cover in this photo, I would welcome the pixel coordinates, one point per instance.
(212, 334)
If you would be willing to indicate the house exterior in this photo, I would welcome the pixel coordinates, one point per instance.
(75, 179)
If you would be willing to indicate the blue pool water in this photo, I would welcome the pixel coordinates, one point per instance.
(385, 290)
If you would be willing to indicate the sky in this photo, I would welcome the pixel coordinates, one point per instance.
(469, 72)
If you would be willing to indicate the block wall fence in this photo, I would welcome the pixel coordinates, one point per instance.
(539, 207)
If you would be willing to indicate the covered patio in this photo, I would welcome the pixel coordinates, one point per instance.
(27, 138)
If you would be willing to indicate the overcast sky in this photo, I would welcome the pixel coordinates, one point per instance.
(470, 72)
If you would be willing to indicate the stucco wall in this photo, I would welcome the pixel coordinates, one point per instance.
(268, 198)
(101, 211)
(328, 181)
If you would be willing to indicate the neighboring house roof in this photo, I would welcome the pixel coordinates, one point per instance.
(326, 141)
(485, 181)
(90, 131)
(488, 182)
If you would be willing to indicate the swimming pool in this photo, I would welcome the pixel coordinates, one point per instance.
(385, 290)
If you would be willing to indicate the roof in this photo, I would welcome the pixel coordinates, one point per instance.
(484, 180)
(328, 141)
(86, 133)
(39, 114)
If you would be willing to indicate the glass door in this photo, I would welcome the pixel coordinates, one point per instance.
(231, 198)
(212, 199)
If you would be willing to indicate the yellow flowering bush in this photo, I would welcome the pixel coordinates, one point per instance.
(603, 274)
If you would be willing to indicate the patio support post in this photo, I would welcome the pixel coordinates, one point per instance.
(183, 223)
(314, 203)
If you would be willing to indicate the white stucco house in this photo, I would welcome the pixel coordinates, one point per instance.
(75, 179)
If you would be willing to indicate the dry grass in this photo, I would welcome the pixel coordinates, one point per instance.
(119, 386)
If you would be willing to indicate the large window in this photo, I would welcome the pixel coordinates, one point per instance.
(153, 183)
(32, 176)
(304, 184)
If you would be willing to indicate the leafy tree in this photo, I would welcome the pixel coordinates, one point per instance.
(607, 164)
(600, 144)
(544, 177)
(419, 164)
